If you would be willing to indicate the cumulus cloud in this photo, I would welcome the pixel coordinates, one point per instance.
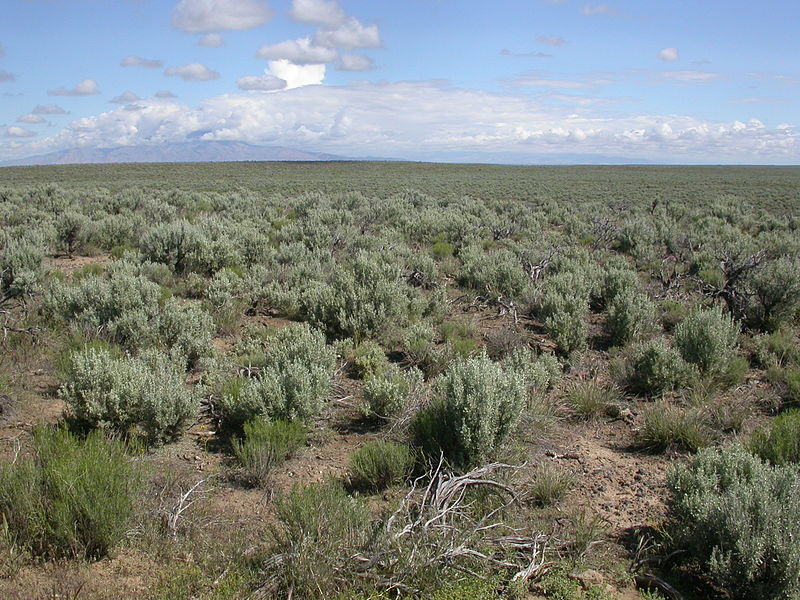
(597, 9)
(551, 40)
(349, 35)
(87, 87)
(192, 72)
(48, 109)
(668, 54)
(317, 12)
(6, 76)
(261, 83)
(164, 94)
(690, 76)
(408, 119)
(138, 61)
(301, 52)
(296, 75)
(201, 16)
(31, 119)
(125, 98)
(19, 132)
(211, 40)
(355, 62)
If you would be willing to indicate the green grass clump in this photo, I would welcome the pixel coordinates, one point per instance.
(779, 441)
(548, 485)
(379, 464)
(265, 445)
(666, 426)
(591, 399)
(72, 498)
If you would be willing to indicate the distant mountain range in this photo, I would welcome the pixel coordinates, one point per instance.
(211, 151)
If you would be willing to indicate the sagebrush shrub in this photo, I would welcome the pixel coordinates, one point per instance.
(779, 440)
(144, 395)
(776, 294)
(565, 319)
(72, 231)
(476, 404)
(707, 338)
(380, 464)
(292, 383)
(20, 268)
(369, 360)
(541, 372)
(496, 273)
(264, 445)
(631, 316)
(73, 498)
(740, 519)
(656, 368)
(387, 396)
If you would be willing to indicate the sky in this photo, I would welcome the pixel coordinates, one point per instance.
(523, 81)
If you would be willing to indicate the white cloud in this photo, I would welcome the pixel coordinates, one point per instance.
(125, 98)
(165, 94)
(262, 83)
(668, 54)
(317, 12)
(297, 75)
(192, 72)
(138, 61)
(426, 120)
(200, 16)
(300, 52)
(507, 52)
(349, 35)
(6, 76)
(597, 9)
(87, 87)
(551, 40)
(355, 62)
(31, 119)
(690, 76)
(48, 109)
(211, 40)
(19, 132)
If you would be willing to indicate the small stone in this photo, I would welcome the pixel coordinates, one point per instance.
(589, 577)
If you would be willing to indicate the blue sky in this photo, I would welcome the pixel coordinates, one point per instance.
(716, 81)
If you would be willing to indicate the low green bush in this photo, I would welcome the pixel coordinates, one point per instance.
(320, 526)
(142, 395)
(779, 440)
(265, 445)
(73, 498)
(655, 368)
(739, 518)
(707, 338)
(387, 396)
(475, 407)
(292, 383)
(631, 316)
(380, 464)
(777, 349)
(369, 360)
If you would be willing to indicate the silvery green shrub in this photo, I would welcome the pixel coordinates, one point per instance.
(617, 280)
(740, 519)
(775, 294)
(145, 394)
(389, 394)
(541, 372)
(495, 273)
(360, 299)
(292, 383)
(73, 230)
(707, 338)
(20, 268)
(175, 244)
(656, 368)
(476, 404)
(631, 316)
(564, 315)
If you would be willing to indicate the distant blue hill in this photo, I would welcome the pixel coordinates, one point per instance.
(210, 151)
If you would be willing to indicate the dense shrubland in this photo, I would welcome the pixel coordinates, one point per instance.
(446, 319)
